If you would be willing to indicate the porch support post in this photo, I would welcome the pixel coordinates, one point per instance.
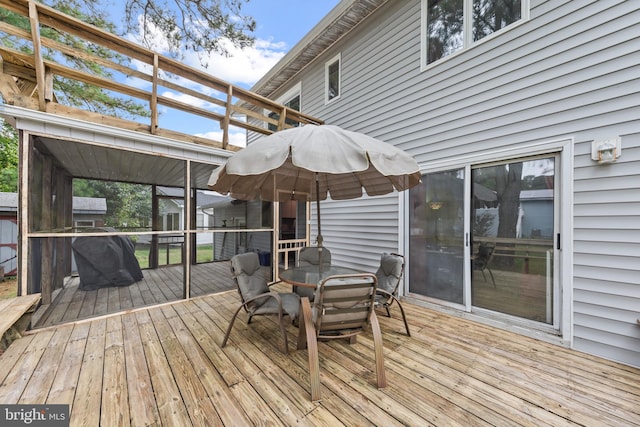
(24, 165)
(186, 248)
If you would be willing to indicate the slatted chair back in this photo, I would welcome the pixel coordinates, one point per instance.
(342, 308)
(343, 305)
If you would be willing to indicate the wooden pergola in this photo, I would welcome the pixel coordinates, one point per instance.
(59, 143)
(27, 80)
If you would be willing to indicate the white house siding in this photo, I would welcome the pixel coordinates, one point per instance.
(570, 72)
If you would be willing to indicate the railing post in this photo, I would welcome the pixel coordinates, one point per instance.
(154, 96)
(227, 118)
(37, 55)
(282, 119)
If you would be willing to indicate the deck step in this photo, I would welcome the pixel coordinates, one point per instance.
(12, 317)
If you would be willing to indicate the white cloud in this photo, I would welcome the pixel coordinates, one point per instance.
(193, 101)
(243, 67)
(235, 138)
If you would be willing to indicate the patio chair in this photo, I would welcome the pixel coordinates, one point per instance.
(482, 259)
(343, 308)
(389, 275)
(256, 297)
(310, 256)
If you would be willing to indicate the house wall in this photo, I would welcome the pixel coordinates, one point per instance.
(569, 72)
(9, 242)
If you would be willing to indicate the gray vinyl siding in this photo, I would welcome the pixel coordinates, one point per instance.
(572, 71)
(358, 231)
(607, 254)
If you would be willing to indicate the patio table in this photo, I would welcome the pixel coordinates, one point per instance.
(310, 276)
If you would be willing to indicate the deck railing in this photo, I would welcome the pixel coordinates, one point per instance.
(27, 80)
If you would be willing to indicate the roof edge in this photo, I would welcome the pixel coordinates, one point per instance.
(333, 19)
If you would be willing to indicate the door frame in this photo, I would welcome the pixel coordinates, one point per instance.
(564, 149)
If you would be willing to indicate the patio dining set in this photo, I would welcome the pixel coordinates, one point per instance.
(327, 302)
(313, 163)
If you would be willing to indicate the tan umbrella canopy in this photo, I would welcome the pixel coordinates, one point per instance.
(312, 162)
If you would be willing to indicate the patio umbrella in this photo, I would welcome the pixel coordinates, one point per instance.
(312, 162)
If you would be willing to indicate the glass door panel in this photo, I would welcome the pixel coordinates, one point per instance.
(513, 228)
(436, 246)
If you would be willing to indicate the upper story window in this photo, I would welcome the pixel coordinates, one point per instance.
(332, 78)
(452, 25)
(290, 99)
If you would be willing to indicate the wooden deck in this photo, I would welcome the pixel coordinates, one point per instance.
(158, 286)
(164, 366)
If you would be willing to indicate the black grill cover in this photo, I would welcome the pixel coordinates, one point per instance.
(106, 261)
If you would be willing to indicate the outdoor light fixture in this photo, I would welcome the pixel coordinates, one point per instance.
(606, 150)
(435, 205)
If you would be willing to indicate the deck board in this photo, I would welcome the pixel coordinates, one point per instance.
(163, 365)
(13, 309)
(157, 286)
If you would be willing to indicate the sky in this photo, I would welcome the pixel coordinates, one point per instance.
(280, 25)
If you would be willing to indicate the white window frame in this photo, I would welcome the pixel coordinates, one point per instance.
(467, 25)
(84, 223)
(296, 90)
(329, 63)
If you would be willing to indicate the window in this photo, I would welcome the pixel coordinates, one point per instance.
(332, 78)
(85, 223)
(291, 99)
(172, 222)
(452, 25)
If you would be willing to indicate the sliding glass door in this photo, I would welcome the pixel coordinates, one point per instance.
(513, 229)
(483, 237)
(436, 243)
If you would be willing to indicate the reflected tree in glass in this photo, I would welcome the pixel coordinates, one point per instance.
(445, 25)
(490, 16)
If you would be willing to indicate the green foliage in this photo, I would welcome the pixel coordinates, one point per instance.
(194, 25)
(8, 158)
(197, 25)
(201, 26)
(72, 92)
(9, 179)
(128, 205)
(8, 145)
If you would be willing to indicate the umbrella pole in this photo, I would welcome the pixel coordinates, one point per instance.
(318, 210)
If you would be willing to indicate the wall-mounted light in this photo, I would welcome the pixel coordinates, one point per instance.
(606, 150)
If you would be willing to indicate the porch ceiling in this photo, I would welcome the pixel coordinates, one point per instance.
(103, 163)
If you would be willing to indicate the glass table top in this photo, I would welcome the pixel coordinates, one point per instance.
(310, 276)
